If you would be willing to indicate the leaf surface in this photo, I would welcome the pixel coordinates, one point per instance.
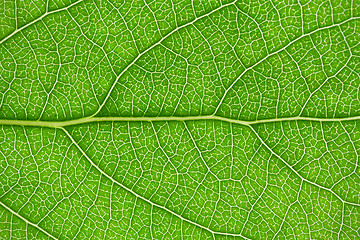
(179, 119)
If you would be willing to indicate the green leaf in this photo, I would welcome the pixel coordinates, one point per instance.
(179, 119)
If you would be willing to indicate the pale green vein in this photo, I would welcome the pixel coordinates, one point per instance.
(59, 124)
(237, 79)
(158, 42)
(276, 52)
(38, 19)
(27, 221)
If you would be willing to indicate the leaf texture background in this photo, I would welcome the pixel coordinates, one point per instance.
(173, 119)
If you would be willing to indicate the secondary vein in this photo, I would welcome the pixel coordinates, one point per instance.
(38, 19)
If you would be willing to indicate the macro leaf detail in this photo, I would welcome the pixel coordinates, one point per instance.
(179, 119)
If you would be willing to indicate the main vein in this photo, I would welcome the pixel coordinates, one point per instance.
(59, 124)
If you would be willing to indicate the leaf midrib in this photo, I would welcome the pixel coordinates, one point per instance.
(61, 124)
